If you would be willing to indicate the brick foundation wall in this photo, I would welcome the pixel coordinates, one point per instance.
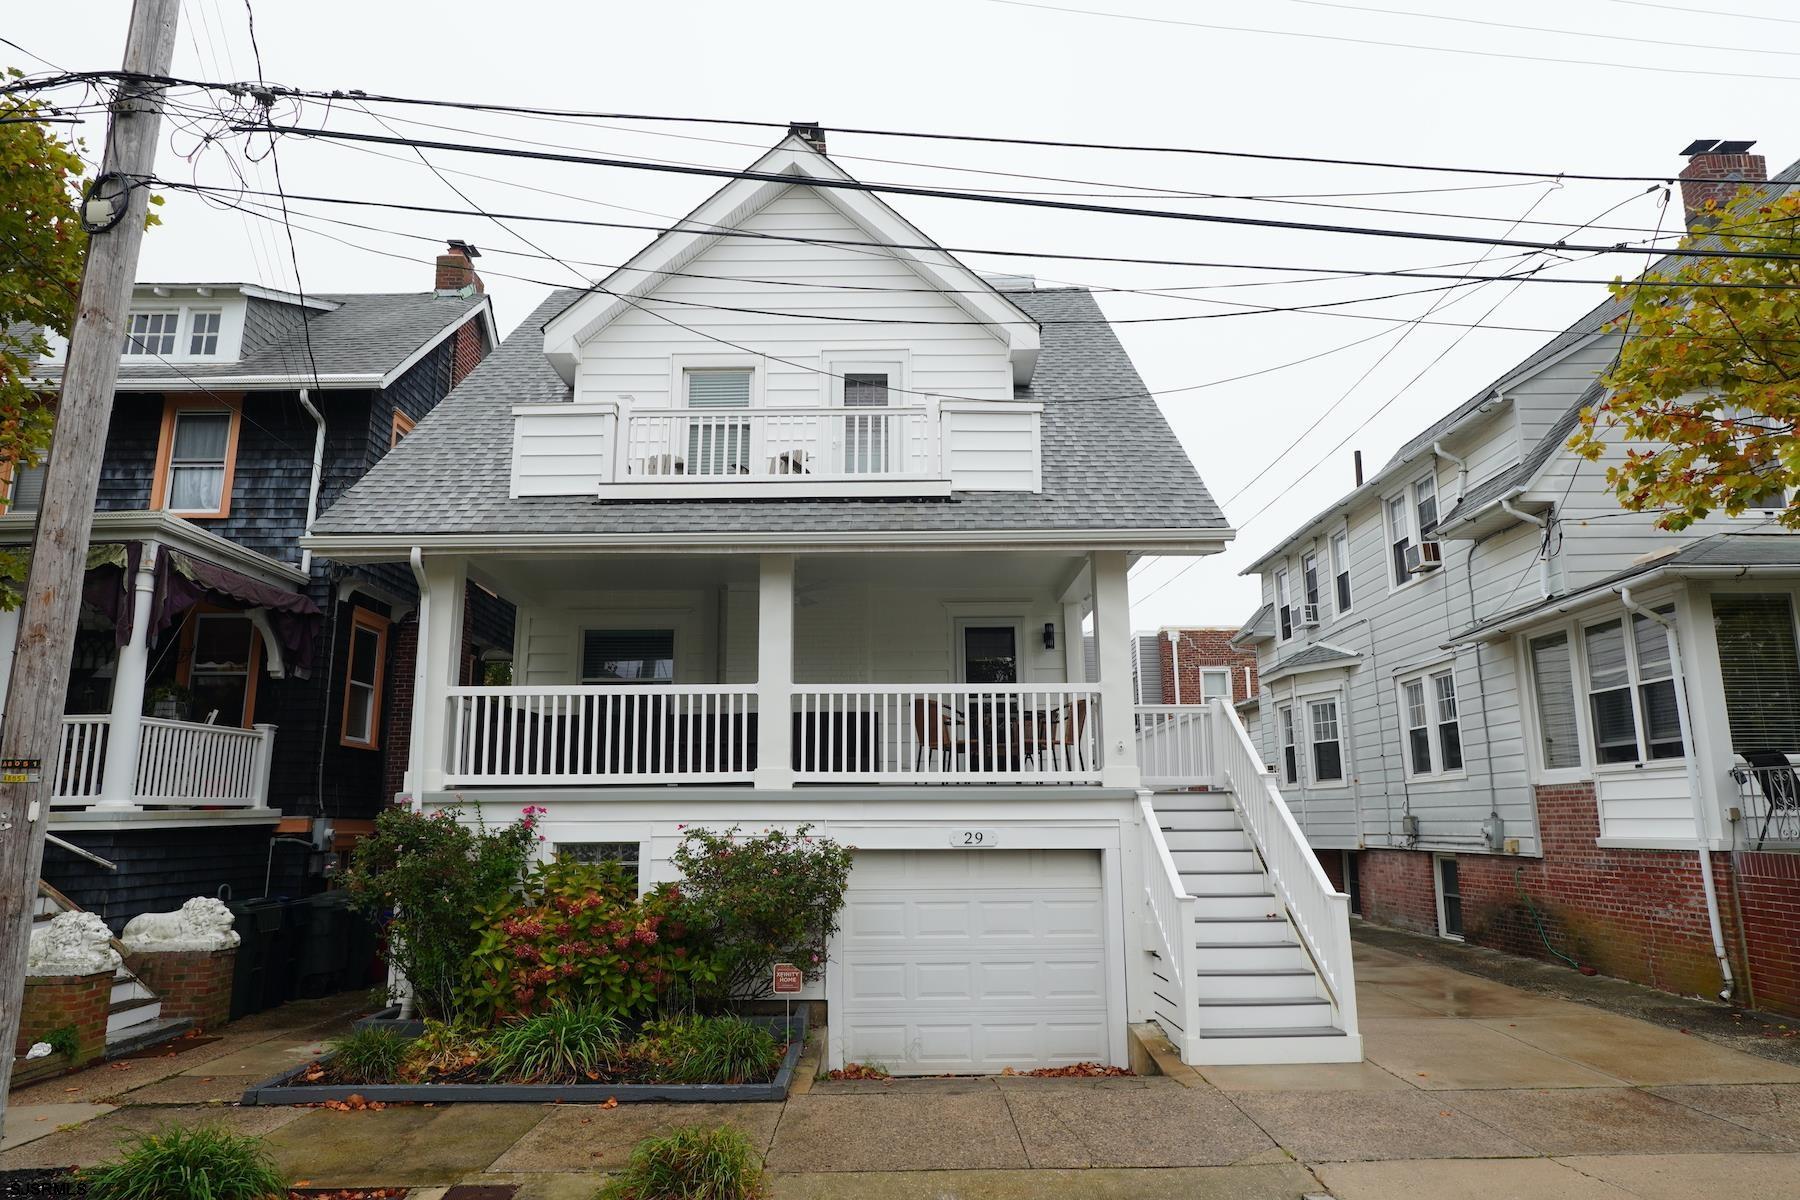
(54, 1002)
(1208, 648)
(1768, 894)
(1397, 889)
(1333, 862)
(192, 984)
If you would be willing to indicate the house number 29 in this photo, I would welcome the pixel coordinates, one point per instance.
(973, 839)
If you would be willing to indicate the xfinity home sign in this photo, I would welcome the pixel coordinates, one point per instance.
(789, 979)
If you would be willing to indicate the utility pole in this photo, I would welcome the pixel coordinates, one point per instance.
(40, 674)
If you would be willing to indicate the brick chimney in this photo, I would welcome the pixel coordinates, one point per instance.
(456, 270)
(1713, 174)
(809, 132)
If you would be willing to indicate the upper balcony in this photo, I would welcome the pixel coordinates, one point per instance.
(620, 451)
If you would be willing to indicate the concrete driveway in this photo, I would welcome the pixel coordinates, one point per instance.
(1472, 1088)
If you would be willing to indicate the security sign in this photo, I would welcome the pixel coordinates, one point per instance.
(789, 979)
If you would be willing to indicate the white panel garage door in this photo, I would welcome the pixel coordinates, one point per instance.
(972, 960)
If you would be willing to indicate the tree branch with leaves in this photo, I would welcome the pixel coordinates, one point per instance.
(1705, 393)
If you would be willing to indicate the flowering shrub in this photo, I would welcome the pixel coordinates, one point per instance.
(423, 877)
(580, 935)
(761, 899)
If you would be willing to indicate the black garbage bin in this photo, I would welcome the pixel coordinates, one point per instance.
(324, 946)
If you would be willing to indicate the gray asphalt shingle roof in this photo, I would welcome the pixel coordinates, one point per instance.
(1260, 625)
(1521, 473)
(1109, 463)
(1317, 655)
(368, 333)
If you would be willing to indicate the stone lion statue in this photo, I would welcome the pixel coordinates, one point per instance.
(71, 943)
(201, 924)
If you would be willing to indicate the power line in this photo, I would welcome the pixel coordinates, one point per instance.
(1707, 12)
(979, 198)
(1314, 36)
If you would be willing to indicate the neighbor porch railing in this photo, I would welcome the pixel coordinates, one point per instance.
(782, 444)
(180, 764)
(955, 733)
(624, 733)
(1769, 802)
(1319, 912)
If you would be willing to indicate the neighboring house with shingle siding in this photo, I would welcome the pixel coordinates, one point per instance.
(804, 521)
(1469, 693)
(223, 678)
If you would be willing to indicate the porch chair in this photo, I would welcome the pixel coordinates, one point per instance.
(1074, 725)
(1780, 787)
(662, 464)
(789, 462)
(934, 732)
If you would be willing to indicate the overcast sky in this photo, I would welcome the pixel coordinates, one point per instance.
(1277, 83)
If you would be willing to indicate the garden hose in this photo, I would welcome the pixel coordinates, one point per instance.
(1519, 883)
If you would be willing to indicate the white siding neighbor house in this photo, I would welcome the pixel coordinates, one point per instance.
(1509, 710)
(804, 522)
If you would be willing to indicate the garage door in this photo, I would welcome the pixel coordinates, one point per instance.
(972, 961)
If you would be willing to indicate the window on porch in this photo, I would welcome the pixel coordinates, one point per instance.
(628, 656)
(221, 668)
(1760, 665)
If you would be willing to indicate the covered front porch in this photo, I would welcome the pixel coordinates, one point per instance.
(178, 628)
(777, 670)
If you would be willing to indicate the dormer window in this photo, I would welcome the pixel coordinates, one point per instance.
(203, 333)
(151, 333)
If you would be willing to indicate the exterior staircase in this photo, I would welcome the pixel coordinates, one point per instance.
(135, 1018)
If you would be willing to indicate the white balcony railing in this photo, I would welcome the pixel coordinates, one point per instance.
(964, 733)
(180, 764)
(624, 733)
(790, 445)
(1174, 743)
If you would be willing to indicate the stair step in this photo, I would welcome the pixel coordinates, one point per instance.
(128, 987)
(1244, 860)
(1284, 983)
(1225, 908)
(1275, 1031)
(1262, 1001)
(1221, 883)
(150, 1033)
(1251, 956)
(1264, 1014)
(139, 1012)
(1180, 840)
(1246, 930)
(1175, 802)
(1203, 818)
(122, 1006)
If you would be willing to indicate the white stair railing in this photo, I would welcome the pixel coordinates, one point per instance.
(1174, 744)
(1170, 934)
(1319, 912)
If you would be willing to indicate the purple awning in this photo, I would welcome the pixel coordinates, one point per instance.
(182, 581)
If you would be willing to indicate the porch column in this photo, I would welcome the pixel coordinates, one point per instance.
(438, 659)
(775, 673)
(125, 728)
(1112, 643)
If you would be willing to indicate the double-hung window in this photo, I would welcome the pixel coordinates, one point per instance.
(195, 460)
(1284, 608)
(1327, 750)
(362, 680)
(1290, 750)
(1309, 579)
(628, 656)
(221, 668)
(1340, 569)
(1215, 684)
(1631, 690)
(1432, 726)
(718, 443)
(1399, 538)
(1553, 690)
(1412, 517)
(25, 490)
(151, 333)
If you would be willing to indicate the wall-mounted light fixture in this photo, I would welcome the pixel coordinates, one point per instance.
(1049, 635)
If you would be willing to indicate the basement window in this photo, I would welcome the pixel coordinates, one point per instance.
(1449, 898)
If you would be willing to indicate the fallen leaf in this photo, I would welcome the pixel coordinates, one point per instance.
(611, 1102)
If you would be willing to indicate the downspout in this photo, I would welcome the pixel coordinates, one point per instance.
(1693, 781)
(1506, 506)
(1462, 468)
(318, 471)
(1174, 636)
(413, 765)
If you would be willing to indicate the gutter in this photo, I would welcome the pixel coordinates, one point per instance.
(1701, 830)
(318, 469)
(1462, 468)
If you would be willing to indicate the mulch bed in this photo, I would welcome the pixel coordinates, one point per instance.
(41, 1183)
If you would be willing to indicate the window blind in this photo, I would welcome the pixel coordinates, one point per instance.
(1553, 683)
(1760, 664)
(28, 488)
(718, 389)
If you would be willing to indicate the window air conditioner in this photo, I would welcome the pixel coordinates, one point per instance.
(1309, 616)
(1424, 557)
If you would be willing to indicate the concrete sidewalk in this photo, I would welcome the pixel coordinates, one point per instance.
(1472, 1088)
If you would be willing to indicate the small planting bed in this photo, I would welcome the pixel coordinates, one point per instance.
(62, 1183)
(474, 1083)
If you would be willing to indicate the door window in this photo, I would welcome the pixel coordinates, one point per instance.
(990, 654)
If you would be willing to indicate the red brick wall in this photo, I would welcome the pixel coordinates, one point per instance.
(1333, 862)
(1209, 648)
(53, 1002)
(469, 349)
(403, 649)
(1768, 893)
(1635, 914)
(192, 984)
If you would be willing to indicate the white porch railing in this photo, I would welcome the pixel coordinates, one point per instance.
(783, 444)
(1319, 912)
(625, 733)
(1174, 743)
(960, 733)
(1170, 934)
(180, 764)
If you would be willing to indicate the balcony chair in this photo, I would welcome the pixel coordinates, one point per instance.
(934, 730)
(789, 462)
(661, 464)
(1780, 787)
(1074, 725)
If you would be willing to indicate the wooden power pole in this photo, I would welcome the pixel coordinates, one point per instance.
(40, 673)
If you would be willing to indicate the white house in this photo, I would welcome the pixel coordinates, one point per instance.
(1508, 710)
(804, 521)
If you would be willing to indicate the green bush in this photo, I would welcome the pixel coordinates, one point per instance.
(368, 1056)
(203, 1163)
(578, 934)
(566, 1044)
(692, 1163)
(709, 1050)
(64, 1040)
(422, 877)
(761, 899)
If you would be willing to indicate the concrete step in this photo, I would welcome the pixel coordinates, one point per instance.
(127, 1013)
(1243, 929)
(1283, 982)
(129, 987)
(149, 1033)
(1251, 906)
(1223, 882)
(1215, 860)
(1206, 839)
(1265, 1012)
(1250, 956)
